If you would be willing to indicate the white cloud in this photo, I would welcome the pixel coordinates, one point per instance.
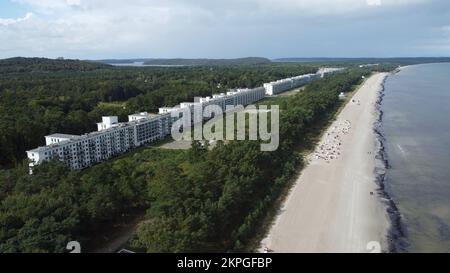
(50, 4)
(374, 2)
(73, 2)
(8, 21)
(325, 7)
(100, 28)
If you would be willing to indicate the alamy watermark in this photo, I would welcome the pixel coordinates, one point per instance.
(238, 123)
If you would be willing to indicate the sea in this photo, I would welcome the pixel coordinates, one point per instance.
(141, 64)
(415, 129)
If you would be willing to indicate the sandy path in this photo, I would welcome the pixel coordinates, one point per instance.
(330, 208)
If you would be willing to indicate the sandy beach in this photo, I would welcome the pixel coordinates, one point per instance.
(334, 206)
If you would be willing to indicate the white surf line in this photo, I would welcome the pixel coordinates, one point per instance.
(401, 150)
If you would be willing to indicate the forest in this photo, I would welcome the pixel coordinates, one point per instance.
(43, 65)
(39, 97)
(196, 200)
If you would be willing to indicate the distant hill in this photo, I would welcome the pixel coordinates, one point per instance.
(190, 62)
(405, 61)
(21, 64)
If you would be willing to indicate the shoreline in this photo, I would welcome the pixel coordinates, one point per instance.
(331, 206)
(397, 232)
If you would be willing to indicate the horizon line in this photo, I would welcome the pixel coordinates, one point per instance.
(220, 58)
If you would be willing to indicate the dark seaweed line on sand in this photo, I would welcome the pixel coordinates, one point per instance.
(397, 231)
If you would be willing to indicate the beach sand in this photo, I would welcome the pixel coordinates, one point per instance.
(334, 206)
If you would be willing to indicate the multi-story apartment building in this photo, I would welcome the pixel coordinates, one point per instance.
(114, 138)
(276, 87)
(232, 98)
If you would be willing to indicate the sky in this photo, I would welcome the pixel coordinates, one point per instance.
(101, 29)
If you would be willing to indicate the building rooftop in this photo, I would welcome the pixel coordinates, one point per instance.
(57, 135)
(141, 114)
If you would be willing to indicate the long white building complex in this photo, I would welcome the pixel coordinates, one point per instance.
(114, 138)
(276, 87)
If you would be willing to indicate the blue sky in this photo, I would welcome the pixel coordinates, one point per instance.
(94, 29)
(12, 9)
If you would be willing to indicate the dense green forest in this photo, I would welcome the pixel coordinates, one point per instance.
(196, 200)
(36, 65)
(67, 96)
(44, 211)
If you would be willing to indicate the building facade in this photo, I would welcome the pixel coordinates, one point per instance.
(114, 138)
(276, 87)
